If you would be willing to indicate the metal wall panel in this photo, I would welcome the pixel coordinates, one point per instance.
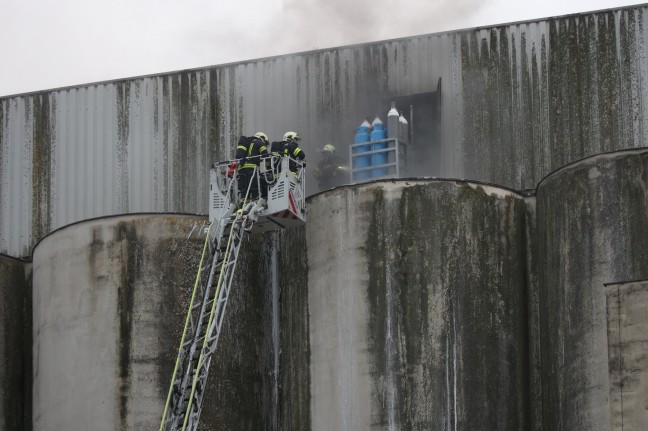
(518, 101)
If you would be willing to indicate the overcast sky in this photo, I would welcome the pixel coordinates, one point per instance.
(55, 43)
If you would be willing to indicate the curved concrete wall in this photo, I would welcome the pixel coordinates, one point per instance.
(110, 297)
(592, 229)
(416, 295)
(15, 344)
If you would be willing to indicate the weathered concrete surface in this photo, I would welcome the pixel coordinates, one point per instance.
(282, 277)
(627, 329)
(110, 298)
(294, 320)
(239, 385)
(592, 229)
(417, 307)
(533, 317)
(15, 345)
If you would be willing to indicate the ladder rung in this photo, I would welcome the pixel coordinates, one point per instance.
(187, 344)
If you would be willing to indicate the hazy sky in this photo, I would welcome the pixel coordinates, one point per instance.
(54, 43)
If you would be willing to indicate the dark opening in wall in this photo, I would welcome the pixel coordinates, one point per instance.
(423, 113)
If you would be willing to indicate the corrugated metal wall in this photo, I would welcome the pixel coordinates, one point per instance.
(518, 101)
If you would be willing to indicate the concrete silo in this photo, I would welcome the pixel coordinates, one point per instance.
(416, 298)
(110, 298)
(15, 344)
(627, 328)
(592, 230)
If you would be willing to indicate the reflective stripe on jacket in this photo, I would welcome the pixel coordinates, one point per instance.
(251, 154)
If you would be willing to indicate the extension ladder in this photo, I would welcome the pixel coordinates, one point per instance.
(206, 311)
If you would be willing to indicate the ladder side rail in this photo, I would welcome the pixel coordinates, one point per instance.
(186, 369)
(184, 333)
(209, 345)
(216, 294)
(211, 315)
(201, 398)
(223, 296)
(198, 332)
(205, 298)
(218, 314)
(194, 419)
(186, 352)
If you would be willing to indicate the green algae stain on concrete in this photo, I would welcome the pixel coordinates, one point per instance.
(295, 359)
(129, 246)
(15, 345)
(376, 250)
(423, 305)
(446, 307)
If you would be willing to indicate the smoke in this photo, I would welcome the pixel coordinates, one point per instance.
(311, 24)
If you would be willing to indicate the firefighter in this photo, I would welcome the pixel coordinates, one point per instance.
(249, 152)
(328, 172)
(292, 150)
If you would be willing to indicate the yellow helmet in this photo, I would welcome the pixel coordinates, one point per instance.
(262, 136)
(291, 136)
(328, 148)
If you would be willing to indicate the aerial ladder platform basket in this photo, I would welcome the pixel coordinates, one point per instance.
(283, 207)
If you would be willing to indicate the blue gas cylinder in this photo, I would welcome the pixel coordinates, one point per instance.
(363, 134)
(378, 159)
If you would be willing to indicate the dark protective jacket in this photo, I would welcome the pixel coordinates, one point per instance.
(250, 151)
(328, 173)
(276, 148)
(292, 150)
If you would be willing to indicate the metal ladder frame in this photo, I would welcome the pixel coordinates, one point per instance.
(201, 332)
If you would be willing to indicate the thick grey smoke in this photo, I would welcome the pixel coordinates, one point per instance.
(309, 24)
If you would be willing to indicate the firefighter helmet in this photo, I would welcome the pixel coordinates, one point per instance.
(291, 136)
(262, 136)
(328, 148)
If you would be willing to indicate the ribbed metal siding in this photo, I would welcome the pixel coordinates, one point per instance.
(103, 149)
(518, 102)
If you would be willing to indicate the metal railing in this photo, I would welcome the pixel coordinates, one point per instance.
(370, 163)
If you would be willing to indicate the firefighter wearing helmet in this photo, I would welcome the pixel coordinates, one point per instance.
(249, 152)
(291, 149)
(328, 172)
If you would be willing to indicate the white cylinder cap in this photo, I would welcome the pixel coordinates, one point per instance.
(393, 110)
(365, 123)
(402, 119)
(376, 121)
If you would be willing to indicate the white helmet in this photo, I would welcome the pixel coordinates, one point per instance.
(328, 148)
(262, 136)
(291, 136)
